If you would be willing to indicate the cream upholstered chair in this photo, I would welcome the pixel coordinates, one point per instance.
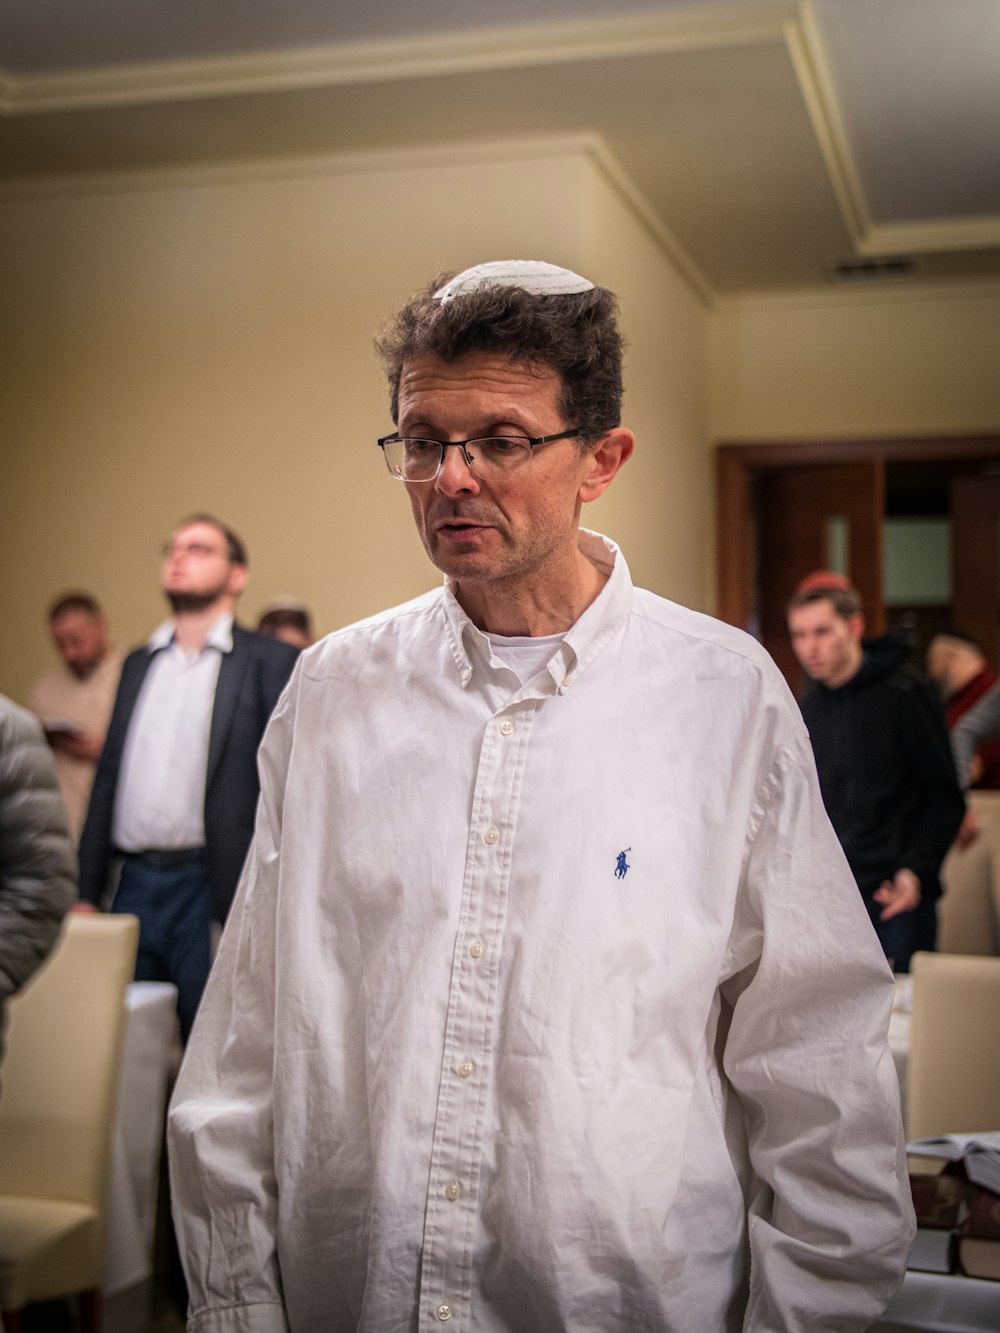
(969, 911)
(58, 1094)
(953, 1078)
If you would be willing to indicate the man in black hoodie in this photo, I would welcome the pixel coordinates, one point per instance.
(884, 762)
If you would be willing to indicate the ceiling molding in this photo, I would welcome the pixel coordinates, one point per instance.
(301, 167)
(602, 155)
(830, 297)
(870, 238)
(590, 146)
(686, 29)
(932, 235)
(812, 69)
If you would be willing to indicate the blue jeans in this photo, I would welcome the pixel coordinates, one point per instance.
(173, 905)
(897, 936)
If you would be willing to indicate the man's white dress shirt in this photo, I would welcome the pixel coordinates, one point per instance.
(160, 797)
(542, 1007)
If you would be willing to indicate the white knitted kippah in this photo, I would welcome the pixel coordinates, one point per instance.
(532, 275)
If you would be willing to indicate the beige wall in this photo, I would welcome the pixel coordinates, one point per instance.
(204, 342)
(856, 364)
(662, 514)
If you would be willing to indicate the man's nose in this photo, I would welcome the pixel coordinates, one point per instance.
(455, 475)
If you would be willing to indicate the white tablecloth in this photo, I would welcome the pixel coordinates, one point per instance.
(135, 1168)
(944, 1303)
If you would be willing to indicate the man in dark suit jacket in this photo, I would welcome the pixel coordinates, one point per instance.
(172, 809)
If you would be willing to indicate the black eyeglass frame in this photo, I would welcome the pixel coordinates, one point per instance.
(531, 440)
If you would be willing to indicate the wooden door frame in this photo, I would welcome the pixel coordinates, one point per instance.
(736, 464)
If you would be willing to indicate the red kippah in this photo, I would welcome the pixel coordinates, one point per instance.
(823, 578)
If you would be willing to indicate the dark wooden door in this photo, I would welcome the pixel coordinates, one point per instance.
(806, 517)
(975, 561)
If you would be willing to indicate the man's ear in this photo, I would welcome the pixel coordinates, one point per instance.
(611, 451)
(239, 577)
(857, 623)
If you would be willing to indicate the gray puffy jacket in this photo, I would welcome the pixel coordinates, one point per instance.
(37, 860)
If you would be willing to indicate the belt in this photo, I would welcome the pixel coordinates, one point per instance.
(166, 857)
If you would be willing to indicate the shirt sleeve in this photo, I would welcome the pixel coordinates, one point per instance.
(221, 1121)
(806, 1053)
(979, 725)
(37, 861)
(940, 808)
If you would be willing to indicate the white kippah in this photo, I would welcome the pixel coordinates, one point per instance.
(532, 275)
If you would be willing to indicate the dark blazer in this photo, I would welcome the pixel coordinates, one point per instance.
(251, 678)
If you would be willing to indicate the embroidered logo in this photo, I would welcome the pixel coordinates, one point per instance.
(622, 866)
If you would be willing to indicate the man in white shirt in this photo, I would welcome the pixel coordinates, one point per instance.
(74, 700)
(548, 1000)
(171, 814)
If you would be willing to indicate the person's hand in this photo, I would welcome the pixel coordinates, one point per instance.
(899, 894)
(86, 745)
(83, 907)
(968, 830)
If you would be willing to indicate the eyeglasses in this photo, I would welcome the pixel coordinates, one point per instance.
(191, 548)
(411, 459)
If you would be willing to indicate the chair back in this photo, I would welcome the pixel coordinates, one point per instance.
(953, 1076)
(969, 910)
(59, 1081)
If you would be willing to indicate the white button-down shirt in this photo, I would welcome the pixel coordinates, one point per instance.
(542, 1006)
(160, 797)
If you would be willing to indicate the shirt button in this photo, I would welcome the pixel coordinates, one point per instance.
(566, 682)
(467, 1068)
(491, 836)
(506, 727)
(477, 948)
(453, 1190)
(444, 1313)
(466, 677)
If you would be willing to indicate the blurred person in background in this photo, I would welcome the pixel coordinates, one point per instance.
(287, 620)
(885, 766)
(957, 665)
(173, 803)
(74, 700)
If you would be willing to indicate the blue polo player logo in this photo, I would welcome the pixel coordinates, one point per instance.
(622, 866)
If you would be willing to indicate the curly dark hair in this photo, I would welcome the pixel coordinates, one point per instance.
(576, 335)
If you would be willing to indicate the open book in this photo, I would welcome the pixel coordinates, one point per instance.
(978, 1153)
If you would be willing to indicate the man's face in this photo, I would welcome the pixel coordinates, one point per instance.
(81, 640)
(507, 527)
(197, 570)
(827, 645)
(940, 659)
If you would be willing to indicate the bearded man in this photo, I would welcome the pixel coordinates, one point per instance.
(172, 810)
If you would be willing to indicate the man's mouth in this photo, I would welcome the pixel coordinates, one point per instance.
(459, 527)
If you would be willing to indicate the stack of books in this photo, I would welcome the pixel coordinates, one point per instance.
(958, 1210)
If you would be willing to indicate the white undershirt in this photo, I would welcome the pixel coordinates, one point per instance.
(160, 800)
(523, 655)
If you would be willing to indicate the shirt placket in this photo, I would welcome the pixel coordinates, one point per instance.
(453, 1188)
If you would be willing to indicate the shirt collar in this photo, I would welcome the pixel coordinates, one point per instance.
(599, 623)
(220, 636)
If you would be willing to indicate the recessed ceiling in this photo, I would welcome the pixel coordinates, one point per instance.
(765, 141)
